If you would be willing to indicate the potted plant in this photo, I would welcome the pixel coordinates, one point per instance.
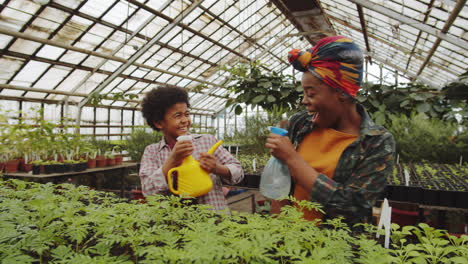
(91, 160)
(117, 152)
(137, 141)
(68, 165)
(80, 165)
(12, 164)
(110, 159)
(100, 159)
(51, 166)
(27, 166)
(36, 166)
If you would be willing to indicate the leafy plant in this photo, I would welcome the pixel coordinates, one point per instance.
(46, 223)
(419, 139)
(138, 140)
(95, 98)
(384, 100)
(253, 86)
(253, 137)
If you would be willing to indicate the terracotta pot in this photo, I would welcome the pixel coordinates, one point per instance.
(27, 167)
(118, 159)
(110, 162)
(91, 163)
(21, 164)
(11, 166)
(100, 163)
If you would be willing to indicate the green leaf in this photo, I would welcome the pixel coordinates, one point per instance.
(417, 97)
(265, 84)
(459, 260)
(271, 99)
(424, 107)
(62, 252)
(259, 98)
(405, 102)
(238, 110)
(379, 118)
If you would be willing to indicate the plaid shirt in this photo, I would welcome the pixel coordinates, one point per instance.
(153, 181)
(361, 173)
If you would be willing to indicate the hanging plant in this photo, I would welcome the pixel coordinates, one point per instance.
(253, 85)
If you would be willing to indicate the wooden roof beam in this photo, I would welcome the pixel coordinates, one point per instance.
(412, 22)
(455, 12)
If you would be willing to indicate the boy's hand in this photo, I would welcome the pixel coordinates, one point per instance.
(181, 150)
(208, 162)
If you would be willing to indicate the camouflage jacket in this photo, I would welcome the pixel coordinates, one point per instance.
(361, 173)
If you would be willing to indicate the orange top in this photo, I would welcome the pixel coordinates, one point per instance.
(321, 149)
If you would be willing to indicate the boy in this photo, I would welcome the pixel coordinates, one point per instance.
(166, 109)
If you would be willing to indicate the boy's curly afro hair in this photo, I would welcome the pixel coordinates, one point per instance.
(157, 101)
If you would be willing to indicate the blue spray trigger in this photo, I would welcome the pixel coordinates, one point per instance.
(278, 131)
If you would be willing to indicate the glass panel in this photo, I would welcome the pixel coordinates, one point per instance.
(96, 8)
(119, 13)
(31, 71)
(9, 67)
(13, 17)
(52, 77)
(72, 80)
(25, 46)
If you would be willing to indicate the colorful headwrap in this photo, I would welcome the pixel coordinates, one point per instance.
(337, 61)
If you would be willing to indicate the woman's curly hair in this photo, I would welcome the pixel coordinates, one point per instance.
(157, 101)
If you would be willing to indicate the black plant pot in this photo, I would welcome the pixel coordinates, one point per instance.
(36, 169)
(76, 167)
(67, 167)
(415, 194)
(82, 166)
(448, 198)
(49, 168)
(399, 193)
(430, 197)
(243, 183)
(253, 180)
(59, 168)
(461, 200)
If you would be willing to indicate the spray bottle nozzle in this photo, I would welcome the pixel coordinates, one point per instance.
(278, 131)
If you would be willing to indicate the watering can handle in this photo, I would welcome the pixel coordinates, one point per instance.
(214, 147)
(169, 180)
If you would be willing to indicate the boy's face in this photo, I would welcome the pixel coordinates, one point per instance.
(176, 121)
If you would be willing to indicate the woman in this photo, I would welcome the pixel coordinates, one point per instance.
(336, 154)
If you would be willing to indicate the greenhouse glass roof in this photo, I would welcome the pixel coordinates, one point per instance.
(63, 50)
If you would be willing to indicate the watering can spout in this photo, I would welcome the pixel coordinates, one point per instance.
(192, 180)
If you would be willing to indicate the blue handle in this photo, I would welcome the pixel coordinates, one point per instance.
(278, 131)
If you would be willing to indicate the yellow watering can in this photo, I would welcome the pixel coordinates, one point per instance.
(192, 180)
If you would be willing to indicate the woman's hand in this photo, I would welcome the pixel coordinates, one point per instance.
(208, 162)
(281, 147)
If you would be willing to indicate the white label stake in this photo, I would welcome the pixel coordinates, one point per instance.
(385, 221)
(406, 177)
